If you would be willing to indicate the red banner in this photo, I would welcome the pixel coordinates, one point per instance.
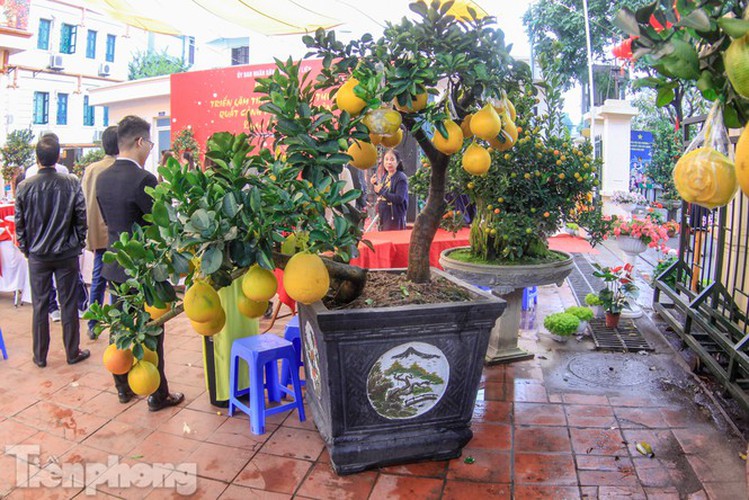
(219, 100)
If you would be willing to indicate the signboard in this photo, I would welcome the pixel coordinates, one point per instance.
(220, 100)
(640, 149)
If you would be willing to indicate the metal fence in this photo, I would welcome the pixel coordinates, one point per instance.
(704, 295)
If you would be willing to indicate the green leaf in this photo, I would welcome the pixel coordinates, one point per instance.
(665, 96)
(160, 214)
(138, 351)
(264, 261)
(229, 205)
(643, 13)
(736, 28)
(626, 21)
(200, 220)
(697, 19)
(212, 259)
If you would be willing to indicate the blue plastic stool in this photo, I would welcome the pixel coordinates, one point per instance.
(528, 295)
(2, 345)
(261, 352)
(293, 335)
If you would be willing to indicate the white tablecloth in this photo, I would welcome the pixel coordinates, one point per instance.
(16, 270)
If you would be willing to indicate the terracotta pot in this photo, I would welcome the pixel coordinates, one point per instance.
(612, 319)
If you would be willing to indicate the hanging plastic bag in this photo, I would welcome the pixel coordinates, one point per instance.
(705, 175)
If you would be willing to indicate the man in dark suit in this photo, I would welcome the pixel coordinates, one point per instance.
(51, 230)
(120, 192)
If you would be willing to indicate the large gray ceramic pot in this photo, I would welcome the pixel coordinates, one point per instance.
(396, 384)
(507, 282)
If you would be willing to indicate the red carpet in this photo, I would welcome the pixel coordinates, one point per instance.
(570, 244)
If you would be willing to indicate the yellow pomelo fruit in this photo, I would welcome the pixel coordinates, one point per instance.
(117, 361)
(346, 100)
(144, 378)
(201, 302)
(511, 109)
(476, 160)
(417, 104)
(465, 126)
(156, 313)
(390, 141)
(742, 161)
(486, 123)
(211, 327)
(705, 177)
(454, 141)
(736, 61)
(148, 355)
(375, 139)
(306, 278)
(459, 10)
(251, 308)
(259, 284)
(363, 154)
(383, 121)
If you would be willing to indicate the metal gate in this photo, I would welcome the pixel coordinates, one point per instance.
(704, 295)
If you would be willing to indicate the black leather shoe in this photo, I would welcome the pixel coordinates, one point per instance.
(82, 354)
(173, 399)
(91, 334)
(125, 396)
(40, 364)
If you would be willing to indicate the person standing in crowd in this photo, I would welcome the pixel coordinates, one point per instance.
(392, 192)
(97, 237)
(360, 183)
(120, 192)
(51, 231)
(81, 291)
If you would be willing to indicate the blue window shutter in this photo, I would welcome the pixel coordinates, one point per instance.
(42, 41)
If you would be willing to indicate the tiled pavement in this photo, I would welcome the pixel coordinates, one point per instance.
(534, 436)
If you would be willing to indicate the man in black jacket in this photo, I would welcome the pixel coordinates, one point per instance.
(120, 192)
(51, 231)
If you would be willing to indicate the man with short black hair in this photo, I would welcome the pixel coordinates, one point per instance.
(97, 237)
(51, 231)
(120, 191)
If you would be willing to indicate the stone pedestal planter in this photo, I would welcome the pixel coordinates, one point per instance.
(632, 248)
(393, 385)
(507, 282)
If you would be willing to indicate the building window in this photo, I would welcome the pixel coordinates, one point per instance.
(41, 108)
(110, 47)
(88, 113)
(62, 109)
(68, 38)
(91, 44)
(240, 55)
(106, 115)
(42, 40)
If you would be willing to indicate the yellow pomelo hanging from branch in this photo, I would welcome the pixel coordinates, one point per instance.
(742, 161)
(202, 302)
(259, 284)
(144, 378)
(347, 100)
(390, 141)
(210, 327)
(705, 177)
(416, 104)
(363, 154)
(156, 313)
(117, 361)
(454, 140)
(251, 308)
(476, 160)
(486, 123)
(306, 278)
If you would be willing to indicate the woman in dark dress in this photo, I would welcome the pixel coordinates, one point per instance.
(392, 193)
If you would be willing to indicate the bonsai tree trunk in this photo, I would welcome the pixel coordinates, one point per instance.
(428, 221)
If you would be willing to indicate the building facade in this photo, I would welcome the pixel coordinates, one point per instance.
(70, 51)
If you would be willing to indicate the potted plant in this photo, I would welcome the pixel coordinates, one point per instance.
(17, 154)
(637, 235)
(628, 201)
(594, 301)
(561, 325)
(584, 314)
(209, 227)
(620, 290)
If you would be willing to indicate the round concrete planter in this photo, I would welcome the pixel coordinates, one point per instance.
(507, 282)
(396, 384)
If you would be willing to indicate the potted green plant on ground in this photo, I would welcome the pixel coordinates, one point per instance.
(584, 314)
(561, 325)
(594, 301)
(17, 154)
(620, 291)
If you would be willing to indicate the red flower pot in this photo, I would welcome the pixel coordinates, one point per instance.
(612, 319)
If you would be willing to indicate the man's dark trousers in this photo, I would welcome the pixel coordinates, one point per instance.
(120, 381)
(66, 275)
